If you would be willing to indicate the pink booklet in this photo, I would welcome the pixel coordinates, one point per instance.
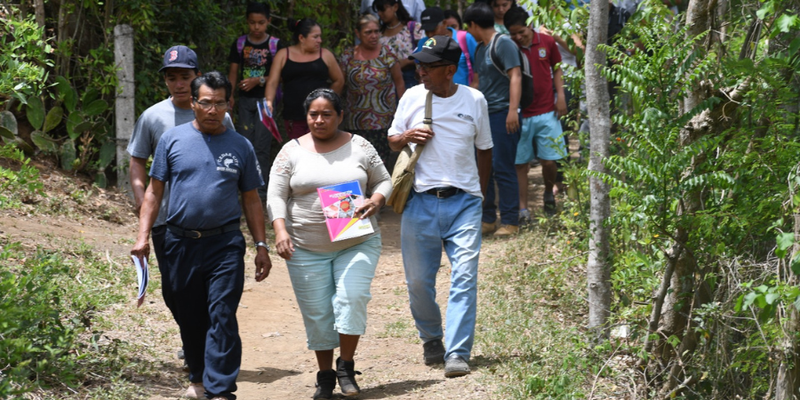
(339, 203)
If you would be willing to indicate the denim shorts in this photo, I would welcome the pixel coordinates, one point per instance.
(545, 129)
(332, 290)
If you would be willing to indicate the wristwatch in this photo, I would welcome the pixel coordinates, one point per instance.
(261, 81)
(262, 244)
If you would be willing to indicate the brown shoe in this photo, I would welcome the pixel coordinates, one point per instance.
(506, 230)
(487, 227)
(195, 391)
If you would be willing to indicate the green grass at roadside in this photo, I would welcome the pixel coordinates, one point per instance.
(530, 320)
(52, 343)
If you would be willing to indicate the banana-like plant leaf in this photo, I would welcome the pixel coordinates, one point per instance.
(107, 153)
(9, 123)
(22, 145)
(44, 142)
(53, 118)
(89, 96)
(100, 180)
(67, 93)
(96, 107)
(35, 112)
(67, 155)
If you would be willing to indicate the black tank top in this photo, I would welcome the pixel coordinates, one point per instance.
(300, 79)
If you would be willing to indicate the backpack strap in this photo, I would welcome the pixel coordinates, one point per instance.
(411, 25)
(240, 44)
(461, 37)
(273, 45)
(493, 54)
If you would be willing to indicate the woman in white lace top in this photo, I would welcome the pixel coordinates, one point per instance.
(331, 279)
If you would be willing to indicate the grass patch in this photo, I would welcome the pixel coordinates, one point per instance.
(52, 342)
(398, 329)
(530, 321)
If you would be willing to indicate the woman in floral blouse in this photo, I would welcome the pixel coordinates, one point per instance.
(401, 33)
(372, 77)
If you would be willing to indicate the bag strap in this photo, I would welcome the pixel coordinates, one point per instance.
(240, 44)
(493, 54)
(428, 122)
(273, 45)
(461, 37)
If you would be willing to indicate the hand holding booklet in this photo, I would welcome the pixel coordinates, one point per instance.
(339, 203)
(143, 277)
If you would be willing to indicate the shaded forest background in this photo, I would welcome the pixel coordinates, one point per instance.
(704, 221)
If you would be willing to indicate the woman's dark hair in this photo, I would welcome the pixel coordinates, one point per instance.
(516, 16)
(454, 14)
(214, 80)
(327, 94)
(402, 14)
(480, 13)
(257, 8)
(302, 27)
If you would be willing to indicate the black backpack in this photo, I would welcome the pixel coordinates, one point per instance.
(526, 95)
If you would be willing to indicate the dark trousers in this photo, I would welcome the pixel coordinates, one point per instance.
(157, 234)
(206, 279)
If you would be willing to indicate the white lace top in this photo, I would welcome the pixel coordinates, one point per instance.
(297, 173)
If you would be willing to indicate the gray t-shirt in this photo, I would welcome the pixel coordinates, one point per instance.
(153, 122)
(493, 83)
(206, 174)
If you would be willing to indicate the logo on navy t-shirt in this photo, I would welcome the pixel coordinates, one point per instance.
(228, 162)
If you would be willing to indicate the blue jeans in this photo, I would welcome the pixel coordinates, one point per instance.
(504, 153)
(251, 127)
(427, 224)
(332, 290)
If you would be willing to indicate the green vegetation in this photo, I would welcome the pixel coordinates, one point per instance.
(50, 341)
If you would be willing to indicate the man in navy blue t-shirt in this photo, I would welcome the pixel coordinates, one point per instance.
(206, 165)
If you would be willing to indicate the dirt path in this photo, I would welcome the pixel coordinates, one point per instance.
(276, 363)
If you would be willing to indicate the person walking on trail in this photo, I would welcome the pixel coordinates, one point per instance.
(302, 67)
(179, 69)
(502, 86)
(331, 280)
(433, 23)
(251, 59)
(540, 120)
(444, 207)
(207, 165)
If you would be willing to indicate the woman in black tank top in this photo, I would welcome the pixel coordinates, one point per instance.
(303, 67)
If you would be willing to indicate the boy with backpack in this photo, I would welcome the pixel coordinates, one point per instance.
(501, 85)
(432, 21)
(540, 120)
(251, 59)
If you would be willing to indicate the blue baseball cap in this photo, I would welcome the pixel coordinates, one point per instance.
(179, 57)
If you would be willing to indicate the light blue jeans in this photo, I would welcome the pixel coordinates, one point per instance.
(429, 223)
(333, 289)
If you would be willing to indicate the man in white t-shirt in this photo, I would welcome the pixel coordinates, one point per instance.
(445, 206)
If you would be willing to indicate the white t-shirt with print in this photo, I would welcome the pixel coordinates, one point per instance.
(460, 124)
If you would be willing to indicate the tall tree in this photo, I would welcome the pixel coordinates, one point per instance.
(598, 266)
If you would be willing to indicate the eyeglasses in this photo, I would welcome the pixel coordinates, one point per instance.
(428, 67)
(206, 106)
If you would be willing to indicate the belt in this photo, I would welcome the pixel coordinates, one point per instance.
(444, 192)
(197, 234)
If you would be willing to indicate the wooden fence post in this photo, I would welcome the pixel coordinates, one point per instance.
(124, 105)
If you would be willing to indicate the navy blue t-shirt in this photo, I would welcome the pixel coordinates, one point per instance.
(205, 174)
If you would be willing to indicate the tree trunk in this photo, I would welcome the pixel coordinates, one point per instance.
(598, 268)
(788, 384)
(38, 7)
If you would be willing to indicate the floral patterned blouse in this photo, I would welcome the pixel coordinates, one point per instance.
(370, 101)
(402, 44)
